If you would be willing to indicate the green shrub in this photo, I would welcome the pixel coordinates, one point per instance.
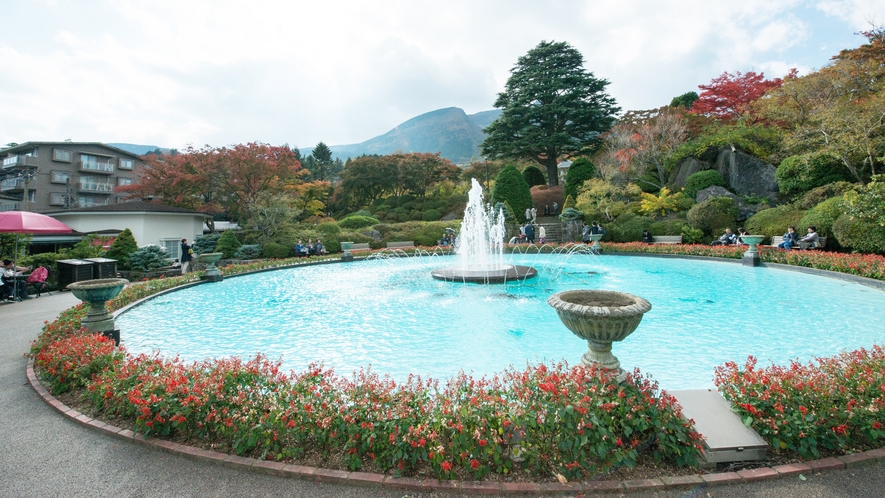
(859, 235)
(148, 258)
(276, 251)
(329, 228)
(691, 235)
(628, 227)
(228, 244)
(701, 180)
(822, 217)
(714, 215)
(798, 174)
(503, 207)
(206, 243)
(817, 195)
(361, 212)
(511, 187)
(773, 221)
(571, 214)
(122, 248)
(534, 176)
(431, 215)
(248, 251)
(579, 172)
(667, 227)
(422, 233)
(355, 222)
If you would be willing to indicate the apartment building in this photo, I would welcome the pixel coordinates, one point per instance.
(53, 176)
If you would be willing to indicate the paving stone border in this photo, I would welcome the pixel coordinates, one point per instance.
(470, 487)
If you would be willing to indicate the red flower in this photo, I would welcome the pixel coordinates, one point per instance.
(446, 466)
(474, 464)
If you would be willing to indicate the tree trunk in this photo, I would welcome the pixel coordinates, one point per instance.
(552, 171)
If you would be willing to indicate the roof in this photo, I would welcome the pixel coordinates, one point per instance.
(131, 207)
(28, 145)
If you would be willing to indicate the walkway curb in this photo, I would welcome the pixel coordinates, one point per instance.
(367, 479)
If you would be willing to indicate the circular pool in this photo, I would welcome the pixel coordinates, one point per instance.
(391, 315)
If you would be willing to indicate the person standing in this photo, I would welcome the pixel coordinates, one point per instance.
(530, 233)
(555, 207)
(534, 215)
(528, 214)
(186, 256)
(542, 234)
(546, 209)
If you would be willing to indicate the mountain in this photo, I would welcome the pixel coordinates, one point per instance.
(136, 149)
(451, 132)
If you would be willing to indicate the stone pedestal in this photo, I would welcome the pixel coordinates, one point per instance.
(212, 274)
(751, 257)
(346, 255)
(600, 317)
(97, 293)
(595, 238)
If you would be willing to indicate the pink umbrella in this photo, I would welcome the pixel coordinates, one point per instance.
(27, 222)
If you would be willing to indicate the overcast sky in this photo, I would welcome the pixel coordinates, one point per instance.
(217, 72)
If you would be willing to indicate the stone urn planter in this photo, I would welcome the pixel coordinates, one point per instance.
(346, 255)
(600, 317)
(751, 257)
(97, 293)
(212, 273)
(595, 238)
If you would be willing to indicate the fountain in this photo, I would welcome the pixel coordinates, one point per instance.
(751, 257)
(97, 293)
(212, 274)
(480, 247)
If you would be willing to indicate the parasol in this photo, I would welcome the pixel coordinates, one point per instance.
(31, 223)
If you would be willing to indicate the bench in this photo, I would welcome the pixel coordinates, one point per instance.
(363, 246)
(667, 239)
(821, 242)
(401, 244)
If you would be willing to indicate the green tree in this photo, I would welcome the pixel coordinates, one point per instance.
(121, 248)
(512, 189)
(579, 172)
(551, 106)
(685, 100)
(322, 164)
(534, 176)
(228, 244)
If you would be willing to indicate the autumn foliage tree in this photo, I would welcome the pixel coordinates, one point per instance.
(728, 96)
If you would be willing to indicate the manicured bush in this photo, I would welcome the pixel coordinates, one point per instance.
(798, 174)
(542, 195)
(822, 217)
(276, 250)
(774, 221)
(248, 251)
(579, 172)
(206, 243)
(511, 187)
(859, 234)
(534, 176)
(628, 227)
(714, 215)
(569, 203)
(329, 228)
(431, 215)
(227, 244)
(817, 195)
(148, 258)
(571, 214)
(667, 227)
(701, 180)
(122, 248)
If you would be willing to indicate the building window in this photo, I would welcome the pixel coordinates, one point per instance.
(172, 247)
(94, 163)
(57, 199)
(61, 155)
(127, 163)
(91, 200)
(60, 177)
(124, 181)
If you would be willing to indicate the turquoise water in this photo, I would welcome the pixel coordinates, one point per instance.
(392, 315)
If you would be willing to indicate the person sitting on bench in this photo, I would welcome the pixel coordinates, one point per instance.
(811, 240)
(727, 239)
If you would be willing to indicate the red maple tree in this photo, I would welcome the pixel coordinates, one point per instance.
(727, 96)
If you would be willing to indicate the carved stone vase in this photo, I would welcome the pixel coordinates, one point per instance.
(97, 293)
(600, 317)
(751, 257)
(212, 273)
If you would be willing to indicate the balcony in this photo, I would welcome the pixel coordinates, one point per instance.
(95, 187)
(95, 167)
(12, 184)
(12, 162)
(9, 206)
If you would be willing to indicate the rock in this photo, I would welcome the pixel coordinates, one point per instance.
(744, 210)
(375, 234)
(747, 175)
(686, 168)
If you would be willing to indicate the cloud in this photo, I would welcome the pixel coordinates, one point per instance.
(220, 72)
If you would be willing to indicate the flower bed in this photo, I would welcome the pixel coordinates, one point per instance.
(550, 420)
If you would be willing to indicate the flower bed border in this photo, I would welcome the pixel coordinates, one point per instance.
(870, 457)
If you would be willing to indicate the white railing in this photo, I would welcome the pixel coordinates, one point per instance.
(97, 187)
(12, 184)
(92, 166)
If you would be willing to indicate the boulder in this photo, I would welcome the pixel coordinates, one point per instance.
(685, 168)
(747, 175)
(744, 210)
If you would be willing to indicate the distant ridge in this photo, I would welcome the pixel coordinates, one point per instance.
(137, 149)
(450, 131)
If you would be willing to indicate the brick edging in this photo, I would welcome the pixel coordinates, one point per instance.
(472, 487)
